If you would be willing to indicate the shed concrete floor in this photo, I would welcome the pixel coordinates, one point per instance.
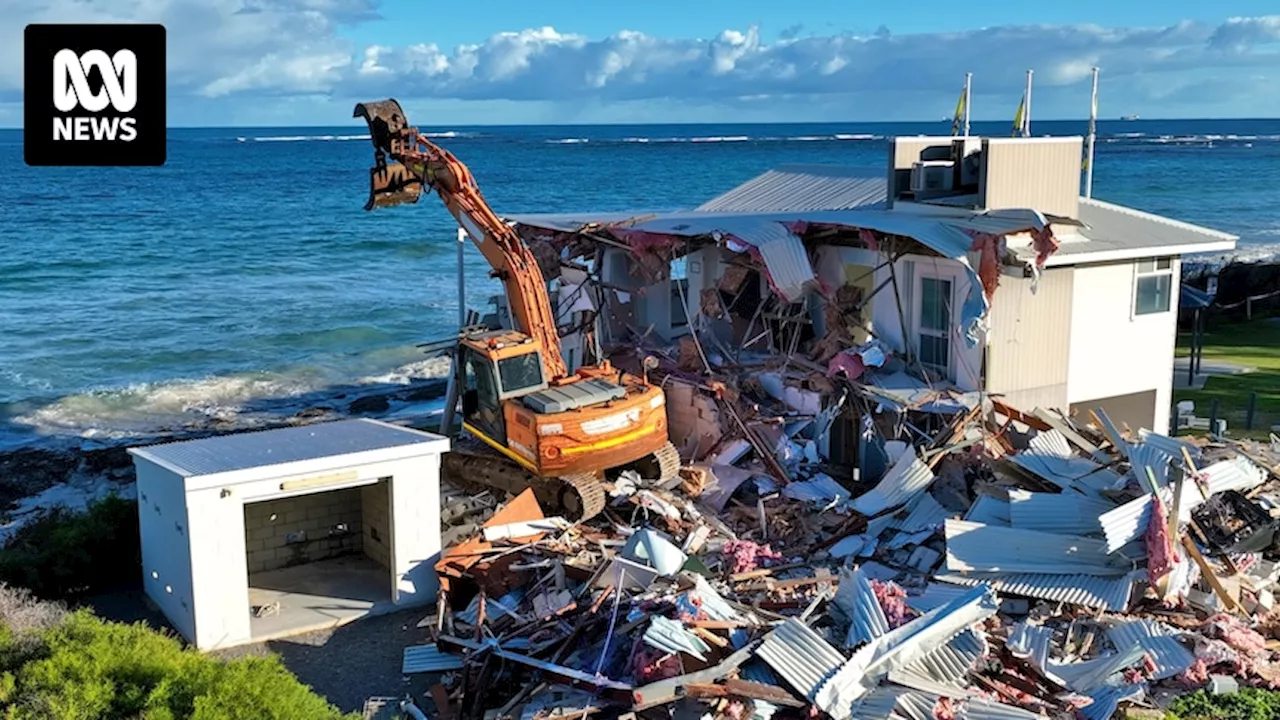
(318, 595)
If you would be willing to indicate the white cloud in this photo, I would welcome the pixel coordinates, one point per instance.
(241, 51)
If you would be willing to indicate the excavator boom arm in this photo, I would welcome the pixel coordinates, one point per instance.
(405, 161)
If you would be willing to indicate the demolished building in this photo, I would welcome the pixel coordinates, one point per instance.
(896, 501)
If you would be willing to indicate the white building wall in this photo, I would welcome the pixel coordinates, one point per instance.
(219, 568)
(1114, 352)
(166, 560)
(203, 538)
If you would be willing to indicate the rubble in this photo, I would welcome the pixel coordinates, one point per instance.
(981, 567)
(851, 536)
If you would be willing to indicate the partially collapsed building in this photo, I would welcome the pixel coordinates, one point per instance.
(924, 470)
(975, 258)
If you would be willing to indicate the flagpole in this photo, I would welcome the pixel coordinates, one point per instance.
(1026, 110)
(968, 94)
(1093, 136)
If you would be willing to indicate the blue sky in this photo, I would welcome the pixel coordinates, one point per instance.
(305, 62)
(409, 21)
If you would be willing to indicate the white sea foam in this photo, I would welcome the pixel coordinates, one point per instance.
(568, 141)
(307, 138)
(246, 400)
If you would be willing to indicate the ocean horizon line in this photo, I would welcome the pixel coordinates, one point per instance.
(714, 123)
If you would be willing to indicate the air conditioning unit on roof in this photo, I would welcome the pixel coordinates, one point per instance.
(932, 176)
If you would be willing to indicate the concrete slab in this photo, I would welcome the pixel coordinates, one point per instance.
(1208, 368)
(317, 596)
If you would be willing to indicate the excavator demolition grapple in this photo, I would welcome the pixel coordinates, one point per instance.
(530, 422)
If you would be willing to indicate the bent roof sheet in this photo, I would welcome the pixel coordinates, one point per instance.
(1125, 232)
(804, 187)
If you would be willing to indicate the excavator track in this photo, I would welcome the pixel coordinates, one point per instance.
(668, 462)
(474, 466)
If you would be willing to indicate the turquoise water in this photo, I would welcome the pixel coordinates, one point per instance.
(246, 268)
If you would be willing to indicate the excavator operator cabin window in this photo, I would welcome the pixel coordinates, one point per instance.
(520, 372)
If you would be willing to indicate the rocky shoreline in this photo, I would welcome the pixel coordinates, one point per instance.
(73, 471)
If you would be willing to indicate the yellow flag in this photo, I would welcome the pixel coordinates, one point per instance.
(958, 120)
(1017, 118)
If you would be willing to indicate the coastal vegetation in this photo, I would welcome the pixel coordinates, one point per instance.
(62, 665)
(64, 554)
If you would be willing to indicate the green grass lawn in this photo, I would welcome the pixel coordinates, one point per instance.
(1254, 344)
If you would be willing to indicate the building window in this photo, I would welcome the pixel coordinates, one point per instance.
(1154, 286)
(935, 324)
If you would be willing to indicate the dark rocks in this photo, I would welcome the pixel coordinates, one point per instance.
(313, 413)
(28, 471)
(370, 404)
(431, 390)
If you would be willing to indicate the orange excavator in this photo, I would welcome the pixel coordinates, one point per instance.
(537, 424)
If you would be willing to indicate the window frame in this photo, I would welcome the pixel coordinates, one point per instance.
(1154, 270)
(919, 331)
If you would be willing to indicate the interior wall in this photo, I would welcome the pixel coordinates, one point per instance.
(302, 529)
(375, 504)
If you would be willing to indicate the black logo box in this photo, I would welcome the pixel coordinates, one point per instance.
(41, 42)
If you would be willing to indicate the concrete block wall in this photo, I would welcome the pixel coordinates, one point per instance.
(375, 501)
(290, 531)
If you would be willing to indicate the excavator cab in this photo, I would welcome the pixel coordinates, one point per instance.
(497, 366)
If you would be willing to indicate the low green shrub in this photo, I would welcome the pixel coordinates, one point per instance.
(64, 554)
(59, 666)
(1247, 704)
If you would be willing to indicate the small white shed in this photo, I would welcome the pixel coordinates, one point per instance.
(260, 535)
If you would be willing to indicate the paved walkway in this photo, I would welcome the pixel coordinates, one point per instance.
(1208, 368)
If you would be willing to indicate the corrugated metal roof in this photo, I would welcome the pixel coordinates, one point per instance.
(1106, 593)
(804, 187)
(857, 600)
(1172, 446)
(1118, 227)
(800, 656)
(1167, 653)
(261, 448)
(934, 595)
(785, 258)
(428, 658)
(926, 513)
(907, 478)
(989, 510)
(1129, 521)
(1049, 456)
(1068, 513)
(1089, 675)
(1106, 700)
(901, 648)
(1147, 455)
(951, 662)
(672, 636)
(973, 547)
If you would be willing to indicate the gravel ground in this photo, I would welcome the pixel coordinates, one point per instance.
(351, 663)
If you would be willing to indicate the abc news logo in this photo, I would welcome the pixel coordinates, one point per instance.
(94, 95)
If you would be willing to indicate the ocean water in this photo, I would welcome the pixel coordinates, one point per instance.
(245, 271)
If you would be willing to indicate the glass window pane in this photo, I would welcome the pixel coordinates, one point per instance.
(935, 304)
(934, 350)
(1164, 263)
(520, 372)
(1153, 294)
(1146, 266)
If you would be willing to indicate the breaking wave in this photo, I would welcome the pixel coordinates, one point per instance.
(242, 400)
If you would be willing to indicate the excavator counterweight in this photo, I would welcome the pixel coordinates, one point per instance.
(530, 422)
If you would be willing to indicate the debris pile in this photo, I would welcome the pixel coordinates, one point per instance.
(981, 562)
